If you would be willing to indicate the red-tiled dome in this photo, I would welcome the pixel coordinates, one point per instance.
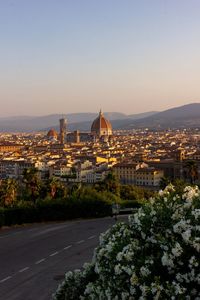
(52, 134)
(101, 126)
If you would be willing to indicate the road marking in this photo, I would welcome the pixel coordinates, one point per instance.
(67, 247)
(5, 279)
(48, 229)
(80, 242)
(53, 254)
(23, 270)
(92, 237)
(39, 261)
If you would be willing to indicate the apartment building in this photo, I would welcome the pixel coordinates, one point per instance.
(148, 177)
(139, 174)
(125, 172)
(13, 168)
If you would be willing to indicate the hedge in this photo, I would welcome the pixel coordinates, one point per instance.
(20, 215)
(2, 217)
(129, 204)
(55, 210)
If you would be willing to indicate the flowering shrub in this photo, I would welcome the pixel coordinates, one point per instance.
(156, 255)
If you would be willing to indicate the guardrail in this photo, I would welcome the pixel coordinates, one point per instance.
(117, 210)
(128, 210)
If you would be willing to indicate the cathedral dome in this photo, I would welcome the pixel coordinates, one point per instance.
(52, 134)
(101, 126)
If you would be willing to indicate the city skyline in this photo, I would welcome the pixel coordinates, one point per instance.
(66, 56)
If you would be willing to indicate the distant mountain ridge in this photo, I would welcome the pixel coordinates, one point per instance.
(74, 120)
(186, 116)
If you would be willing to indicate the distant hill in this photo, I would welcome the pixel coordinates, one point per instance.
(116, 122)
(75, 121)
(28, 123)
(142, 115)
(186, 116)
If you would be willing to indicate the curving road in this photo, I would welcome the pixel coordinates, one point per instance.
(34, 259)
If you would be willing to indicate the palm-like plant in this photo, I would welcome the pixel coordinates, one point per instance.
(164, 181)
(8, 192)
(111, 184)
(56, 188)
(32, 182)
(192, 168)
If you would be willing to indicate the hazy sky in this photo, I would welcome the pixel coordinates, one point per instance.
(62, 56)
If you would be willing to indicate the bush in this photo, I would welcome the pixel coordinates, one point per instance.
(131, 192)
(20, 215)
(92, 208)
(129, 204)
(156, 255)
(2, 221)
(52, 210)
(75, 283)
(87, 206)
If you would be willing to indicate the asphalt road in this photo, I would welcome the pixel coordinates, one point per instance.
(34, 259)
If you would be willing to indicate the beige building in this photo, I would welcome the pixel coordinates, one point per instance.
(138, 174)
(148, 177)
(10, 147)
(125, 172)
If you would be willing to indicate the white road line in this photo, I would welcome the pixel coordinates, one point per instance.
(23, 270)
(92, 237)
(53, 254)
(80, 242)
(67, 247)
(5, 279)
(39, 261)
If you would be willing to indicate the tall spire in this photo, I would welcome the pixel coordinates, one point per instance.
(100, 113)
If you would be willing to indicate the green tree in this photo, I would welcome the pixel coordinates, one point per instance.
(53, 185)
(192, 169)
(56, 188)
(75, 190)
(8, 192)
(130, 192)
(179, 185)
(111, 184)
(164, 181)
(32, 183)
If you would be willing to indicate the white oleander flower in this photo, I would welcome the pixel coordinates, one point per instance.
(144, 271)
(163, 237)
(134, 279)
(118, 269)
(177, 250)
(186, 235)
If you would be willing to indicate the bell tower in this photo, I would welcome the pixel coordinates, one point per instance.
(63, 128)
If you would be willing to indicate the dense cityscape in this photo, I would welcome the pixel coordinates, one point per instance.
(139, 157)
(50, 176)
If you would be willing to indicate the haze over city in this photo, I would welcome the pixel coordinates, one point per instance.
(78, 56)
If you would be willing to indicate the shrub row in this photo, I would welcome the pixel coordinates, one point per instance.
(58, 210)
(129, 204)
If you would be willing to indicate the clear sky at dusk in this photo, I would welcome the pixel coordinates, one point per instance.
(62, 56)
